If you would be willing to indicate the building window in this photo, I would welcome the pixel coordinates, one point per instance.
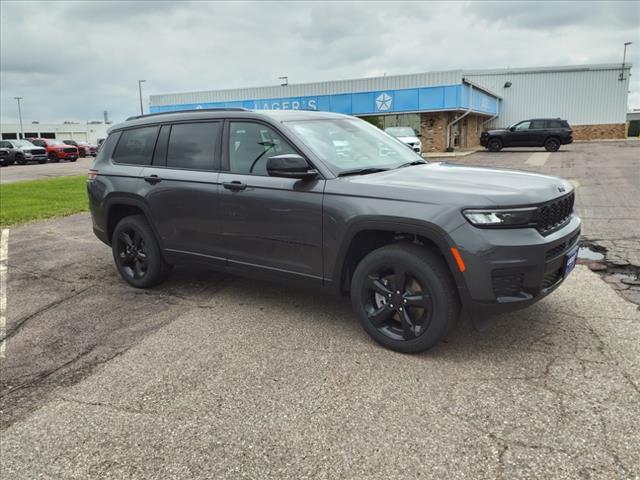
(47, 135)
(9, 136)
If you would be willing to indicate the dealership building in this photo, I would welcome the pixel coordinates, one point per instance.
(451, 108)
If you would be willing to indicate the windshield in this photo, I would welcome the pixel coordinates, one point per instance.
(400, 131)
(51, 141)
(347, 144)
(22, 143)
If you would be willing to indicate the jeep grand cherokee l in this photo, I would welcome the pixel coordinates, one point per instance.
(267, 194)
(549, 133)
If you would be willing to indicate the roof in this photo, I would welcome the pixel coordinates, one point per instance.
(218, 113)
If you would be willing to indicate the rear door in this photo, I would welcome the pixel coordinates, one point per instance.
(181, 188)
(269, 224)
(538, 132)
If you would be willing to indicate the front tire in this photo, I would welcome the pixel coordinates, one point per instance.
(20, 159)
(137, 253)
(552, 144)
(494, 145)
(53, 158)
(404, 297)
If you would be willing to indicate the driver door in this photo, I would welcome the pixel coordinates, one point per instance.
(269, 224)
(521, 136)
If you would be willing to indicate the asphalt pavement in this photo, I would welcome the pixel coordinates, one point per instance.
(34, 171)
(216, 376)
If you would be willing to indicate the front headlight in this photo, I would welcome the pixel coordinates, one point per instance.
(513, 217)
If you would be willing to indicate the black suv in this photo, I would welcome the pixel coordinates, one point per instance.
(273, 195)
(549, 133)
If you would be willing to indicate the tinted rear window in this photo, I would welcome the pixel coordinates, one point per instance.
(136, 146)
(557, 123)
(193, 145)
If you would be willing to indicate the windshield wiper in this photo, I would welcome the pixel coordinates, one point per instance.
(361, 171)
(415, 162)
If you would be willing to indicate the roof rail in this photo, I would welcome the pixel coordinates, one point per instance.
(216, 109)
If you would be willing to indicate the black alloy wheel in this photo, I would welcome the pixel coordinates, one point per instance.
(137, 253)
(552, 145)
(494, 145)
(53, 157)
(20, 160)
(132, 253)
(405, 297)
(397, 305)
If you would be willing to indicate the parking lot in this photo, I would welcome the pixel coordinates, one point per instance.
(214, 376)
(33, 171)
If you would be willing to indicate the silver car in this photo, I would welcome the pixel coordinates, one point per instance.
(23, 151)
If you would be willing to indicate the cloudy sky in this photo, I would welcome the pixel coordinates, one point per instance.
(72, 60)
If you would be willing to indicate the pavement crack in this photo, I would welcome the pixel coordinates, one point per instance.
(103, 405)
(22, 321)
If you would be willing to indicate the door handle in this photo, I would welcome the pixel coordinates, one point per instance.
(235, 185)
(152, 179)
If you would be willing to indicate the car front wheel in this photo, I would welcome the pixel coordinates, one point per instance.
(53, 158)
(137, 254)
(404, 297)
(494, 145)
(20, 159)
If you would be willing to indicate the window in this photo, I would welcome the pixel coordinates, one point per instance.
(522, 126)
(136, 146)
(193, 145)
(556, 123)
(6, 145)
(9, 136)
(537, 125)
(251, 145)
(38, 143)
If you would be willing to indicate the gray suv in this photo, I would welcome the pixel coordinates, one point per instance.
(269, 194)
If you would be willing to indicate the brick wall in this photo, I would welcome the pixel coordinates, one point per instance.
(599, 132)
(433, 127)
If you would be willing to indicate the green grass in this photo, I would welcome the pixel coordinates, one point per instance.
(22, 202)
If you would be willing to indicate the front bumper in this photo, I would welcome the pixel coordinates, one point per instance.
(35, 158)
(508, 269)
(66, 155)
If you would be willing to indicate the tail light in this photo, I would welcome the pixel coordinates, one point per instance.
(92, 174)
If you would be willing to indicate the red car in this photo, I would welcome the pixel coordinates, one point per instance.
(56, 149)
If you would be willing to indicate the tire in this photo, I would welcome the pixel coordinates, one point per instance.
(20, 159)
(137, 254)
(82, 154)
(552, 144)
(53, 158)
(4, 163)
(428, 290)
(42, 161)
(73, 160)
(494, 145)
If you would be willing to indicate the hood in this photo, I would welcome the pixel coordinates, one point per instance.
(409, 139)
(452, 184)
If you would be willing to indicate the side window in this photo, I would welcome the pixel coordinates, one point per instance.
(537, 125)
(193, 145)
(136, 146)
(251, 145)
(522, 126)
(555, 124)
(5, 144)
(38, 143)
(107, 146)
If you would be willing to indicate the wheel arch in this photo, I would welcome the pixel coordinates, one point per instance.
(367, 236)
(120, 206)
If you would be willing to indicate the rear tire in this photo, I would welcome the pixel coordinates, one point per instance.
(404, 297)
(494, 145)
(53, 158)
(73, 159)
(552, 144)
(137, 253)
(20, 160)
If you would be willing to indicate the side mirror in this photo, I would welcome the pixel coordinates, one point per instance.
(512, 129)
(290, 166)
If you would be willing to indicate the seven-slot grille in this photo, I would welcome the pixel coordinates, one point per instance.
(554, 214)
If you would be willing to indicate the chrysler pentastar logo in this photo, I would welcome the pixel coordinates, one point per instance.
(383, 102)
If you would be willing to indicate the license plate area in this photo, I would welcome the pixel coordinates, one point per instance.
(570, 262)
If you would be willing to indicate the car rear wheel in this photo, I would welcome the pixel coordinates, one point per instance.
(494, 145)
(137, 254)
(552, 145)
(404, 297)
(20, 159)
(53, 157)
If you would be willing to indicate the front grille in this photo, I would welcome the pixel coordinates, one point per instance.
(506, 283)
(551, 278)
(38, 151)
(70, 150)
(558, 249)
(555, 214)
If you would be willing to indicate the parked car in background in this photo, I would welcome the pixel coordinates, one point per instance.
(406, 135)
(23, 151)
(549, 133)
(84, 148)
(276, 195)
(56, 149)
(4, 157)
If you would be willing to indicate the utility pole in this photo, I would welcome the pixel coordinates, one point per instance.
(20, 115)
(140, 82)
(624, 60)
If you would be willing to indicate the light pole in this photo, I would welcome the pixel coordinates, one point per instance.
(140, 82)
(624, 59)
(20, 116)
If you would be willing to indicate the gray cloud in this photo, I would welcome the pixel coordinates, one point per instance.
(71, 61)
